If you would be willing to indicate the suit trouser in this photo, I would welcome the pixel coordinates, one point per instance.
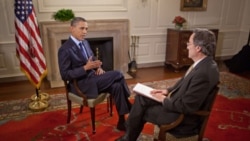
(114, 83)
(146, 110)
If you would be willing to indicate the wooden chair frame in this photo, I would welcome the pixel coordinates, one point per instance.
(85, 102)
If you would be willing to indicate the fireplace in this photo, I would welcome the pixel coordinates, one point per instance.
(103, 50)
(112, 33)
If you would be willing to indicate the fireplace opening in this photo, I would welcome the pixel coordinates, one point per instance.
(103, 50)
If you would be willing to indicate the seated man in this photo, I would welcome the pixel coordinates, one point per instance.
(186, 96)
(76, 61)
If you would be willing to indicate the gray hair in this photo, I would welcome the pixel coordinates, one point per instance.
(206, 40)
(75, 20)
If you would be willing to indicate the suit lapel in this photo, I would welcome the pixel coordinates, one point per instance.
(86, 47)
(192, 73)
(200, 64)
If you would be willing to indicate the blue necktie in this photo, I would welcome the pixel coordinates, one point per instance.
(83, 50)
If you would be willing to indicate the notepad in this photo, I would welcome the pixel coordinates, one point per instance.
(145, 91)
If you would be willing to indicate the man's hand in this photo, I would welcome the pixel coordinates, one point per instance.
(99, 71)
(156, 91)
(159, 94)
(92, 64)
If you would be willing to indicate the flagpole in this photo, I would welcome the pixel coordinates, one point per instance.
(39, 95)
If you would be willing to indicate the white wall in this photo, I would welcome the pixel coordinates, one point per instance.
(149, 19)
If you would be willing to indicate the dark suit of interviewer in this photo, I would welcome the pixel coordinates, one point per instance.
(189, 93)
(92, 79)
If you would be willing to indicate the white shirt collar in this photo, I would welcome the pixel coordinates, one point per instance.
(75, 40)
(195, 63)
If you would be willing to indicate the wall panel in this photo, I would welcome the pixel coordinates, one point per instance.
(9, 62)
(210, 18)
(233, 13)
(82, 5)
(7, 21)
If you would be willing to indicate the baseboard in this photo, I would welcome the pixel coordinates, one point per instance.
(148, 65)
(159, 64)
(13, 79)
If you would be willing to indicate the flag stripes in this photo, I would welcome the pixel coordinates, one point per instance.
(28, 42)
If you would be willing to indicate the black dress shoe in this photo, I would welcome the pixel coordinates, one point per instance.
(121, 126)
(121, 138)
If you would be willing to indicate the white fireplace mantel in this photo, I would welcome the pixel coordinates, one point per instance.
(53, 32)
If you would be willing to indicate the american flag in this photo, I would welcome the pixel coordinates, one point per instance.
(28, 42)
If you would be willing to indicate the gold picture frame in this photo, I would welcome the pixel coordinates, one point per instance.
(193, 5)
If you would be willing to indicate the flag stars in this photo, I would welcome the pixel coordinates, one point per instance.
(23, 9)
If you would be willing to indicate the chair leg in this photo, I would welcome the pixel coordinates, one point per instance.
(69, 111)
(92, 112)
(110, 105)
(162, 135)
(81, 107)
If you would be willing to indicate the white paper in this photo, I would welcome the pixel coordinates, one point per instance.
(144, 90)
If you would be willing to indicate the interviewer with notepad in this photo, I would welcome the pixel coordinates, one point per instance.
(186, 96)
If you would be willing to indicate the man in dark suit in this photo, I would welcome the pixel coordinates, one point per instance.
(77, 61)
(186, 96)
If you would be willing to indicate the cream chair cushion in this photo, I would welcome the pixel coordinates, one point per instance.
(170, 137)
(91, 102)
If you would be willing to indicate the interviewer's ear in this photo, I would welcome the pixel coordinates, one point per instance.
(198, 48)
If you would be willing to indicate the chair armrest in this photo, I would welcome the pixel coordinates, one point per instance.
(164, 128)
(80, 93)
(202, 113)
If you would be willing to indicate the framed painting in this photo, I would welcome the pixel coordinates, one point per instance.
(193, 5)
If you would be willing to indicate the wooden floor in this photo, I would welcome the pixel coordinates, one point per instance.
(24, 89)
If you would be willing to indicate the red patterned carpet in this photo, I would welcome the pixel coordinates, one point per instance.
(229, 119)
(51, 126)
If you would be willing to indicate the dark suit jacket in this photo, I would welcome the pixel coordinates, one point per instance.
(192, 92)
(193, 89)
(71, 62)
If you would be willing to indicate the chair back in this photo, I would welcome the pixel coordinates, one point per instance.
(205, 113)
(78, 93)
(208, 104)
(66, 86)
